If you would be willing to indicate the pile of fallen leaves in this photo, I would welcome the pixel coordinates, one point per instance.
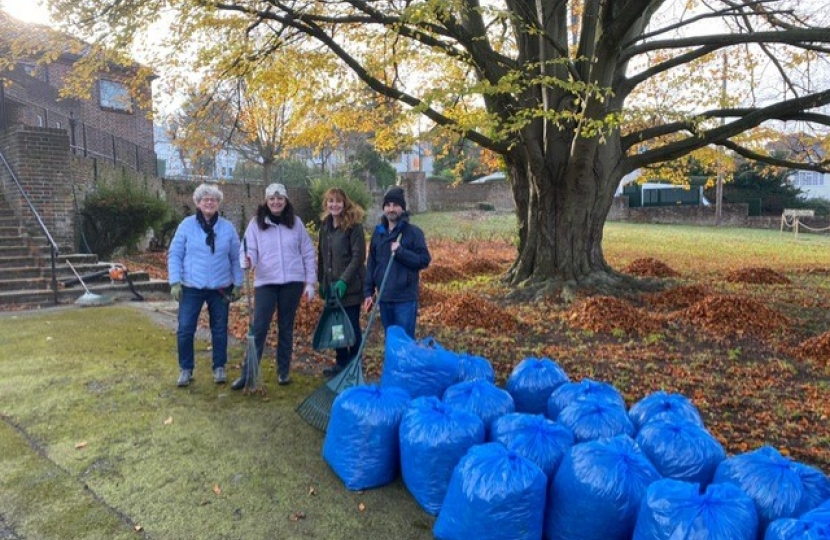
(760, 275)
(676, 298)
(430, 296)
(816, 348)
(608, 315)
(152, 262)
(484, 267)
(468, 311)
(440, 273)
(733, 316)
(649, 267)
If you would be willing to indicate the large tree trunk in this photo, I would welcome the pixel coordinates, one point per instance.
(562, 202)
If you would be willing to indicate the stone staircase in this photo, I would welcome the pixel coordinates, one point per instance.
(26, 271)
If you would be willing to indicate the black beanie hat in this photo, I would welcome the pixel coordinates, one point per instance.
(394, 195)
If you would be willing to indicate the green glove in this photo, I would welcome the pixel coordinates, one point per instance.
(236, 294)
(176, 291)
(340, 288)
(322, 291)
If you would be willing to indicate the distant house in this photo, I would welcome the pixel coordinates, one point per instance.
(173, 163)
(109, 125)
(814, 185)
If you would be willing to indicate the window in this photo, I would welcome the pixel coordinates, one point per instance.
(114, 96)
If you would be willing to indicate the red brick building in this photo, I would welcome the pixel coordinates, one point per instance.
(108, 124)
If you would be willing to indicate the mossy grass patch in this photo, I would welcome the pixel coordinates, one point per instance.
(98, 428)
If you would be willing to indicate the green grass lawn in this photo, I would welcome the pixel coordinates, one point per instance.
(96, 441)
(688, 247)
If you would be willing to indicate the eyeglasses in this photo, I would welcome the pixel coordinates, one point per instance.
(210, 199)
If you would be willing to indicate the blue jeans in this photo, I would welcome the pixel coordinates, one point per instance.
(345, 354)
(189, 308)
(285, 299)
(403, 314)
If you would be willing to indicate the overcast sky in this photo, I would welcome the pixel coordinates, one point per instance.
(26, 10)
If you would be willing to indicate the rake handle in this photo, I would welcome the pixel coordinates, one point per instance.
(375, 306)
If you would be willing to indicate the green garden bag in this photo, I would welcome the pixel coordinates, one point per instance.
(334, 330)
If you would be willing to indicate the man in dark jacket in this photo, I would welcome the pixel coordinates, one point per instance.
(399, 300)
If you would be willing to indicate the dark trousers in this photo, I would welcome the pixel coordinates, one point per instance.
(284, 299)
(189, 308)
(345, 354)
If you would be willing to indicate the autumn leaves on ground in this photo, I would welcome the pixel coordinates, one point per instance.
(750, 345)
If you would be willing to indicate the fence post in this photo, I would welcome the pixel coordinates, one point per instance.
(114, 157)
(73, 145)
(3, 119)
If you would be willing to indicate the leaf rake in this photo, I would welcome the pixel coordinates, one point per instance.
(316, 408)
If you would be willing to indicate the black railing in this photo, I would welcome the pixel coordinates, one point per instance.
(53, 247)
(4, 121)
(84, 139)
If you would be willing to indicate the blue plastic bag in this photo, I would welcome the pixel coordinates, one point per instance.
(361, 443)
(673, 509)
(494, 494)
(663, 406)
(584, 389)
(821, 513)
(532, 382)
(590, 420)
(422, 368)
(472, 368)
(797, 529)
(681, 450)
(481, 397)
(596, 493)
(774, 482)
(542, 441)
(434, 436)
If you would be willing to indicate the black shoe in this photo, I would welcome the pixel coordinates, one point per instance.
(184, 377)
(238, 384)
(333, 371)
(283, 380)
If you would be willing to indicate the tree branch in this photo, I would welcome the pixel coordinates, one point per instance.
(748, 118)
(822, 166)
(804, 38)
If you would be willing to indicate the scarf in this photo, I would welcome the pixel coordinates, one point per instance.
(274, 219)
(207, 226)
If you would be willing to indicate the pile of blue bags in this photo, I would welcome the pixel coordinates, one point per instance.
(550, 458)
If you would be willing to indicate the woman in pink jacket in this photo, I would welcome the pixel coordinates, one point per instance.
(281, 254)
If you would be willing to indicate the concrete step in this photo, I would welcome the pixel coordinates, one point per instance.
(61, 269)
(16, 261)
(44, 282)
(9, 230)
(150, 290)
(14, 251)
(18, 241)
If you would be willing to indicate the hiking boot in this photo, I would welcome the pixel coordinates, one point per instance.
(238, 384)
(185, 376)
(219, 376)
(333, 371)
(283, 380)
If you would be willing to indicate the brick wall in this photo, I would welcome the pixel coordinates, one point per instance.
(442, 196)
(240, 201)
(40, 159)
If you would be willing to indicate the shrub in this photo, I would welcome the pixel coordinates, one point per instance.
(117, 217)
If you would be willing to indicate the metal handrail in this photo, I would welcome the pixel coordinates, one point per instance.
(53, 247)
